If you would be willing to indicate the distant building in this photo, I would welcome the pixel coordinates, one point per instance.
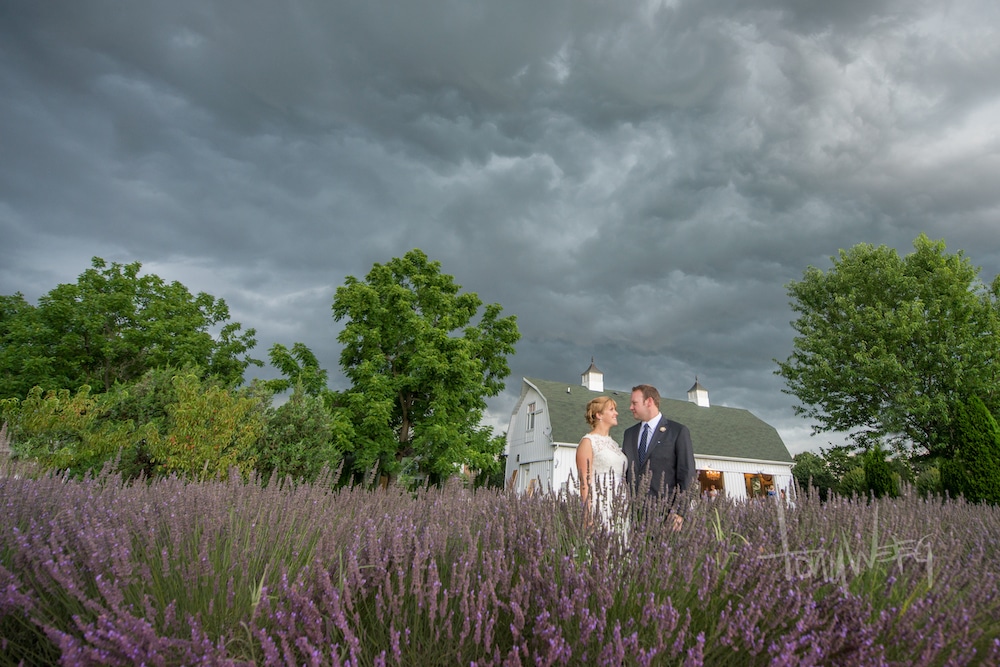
(736, 452)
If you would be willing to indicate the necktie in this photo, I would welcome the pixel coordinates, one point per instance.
(643, 441)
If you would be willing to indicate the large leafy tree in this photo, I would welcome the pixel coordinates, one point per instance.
(886, 344)
(25, 361)
(420, 370)
(113, 325)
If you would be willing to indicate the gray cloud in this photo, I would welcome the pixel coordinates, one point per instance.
(636, 181)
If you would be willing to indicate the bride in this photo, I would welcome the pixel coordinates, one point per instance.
(600, 462)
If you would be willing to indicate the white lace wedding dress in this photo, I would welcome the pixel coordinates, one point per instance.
(608, 472)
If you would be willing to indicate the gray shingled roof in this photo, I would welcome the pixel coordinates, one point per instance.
(715, 431)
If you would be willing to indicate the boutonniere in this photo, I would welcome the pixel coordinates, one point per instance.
(663, 429)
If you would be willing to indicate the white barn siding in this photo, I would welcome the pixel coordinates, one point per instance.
(529, 447)
(734, 473)
(564, 460)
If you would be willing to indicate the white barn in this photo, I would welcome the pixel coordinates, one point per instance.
(737, 453)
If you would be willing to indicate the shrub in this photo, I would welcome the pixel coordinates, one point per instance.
(975, 469)
(929, 482)
(170, 422)
(812, 471)
(298, 440)
(211, 430)
(65, 430)
(878, 474)
(853, 483)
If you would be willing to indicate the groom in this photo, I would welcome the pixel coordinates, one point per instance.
(660, 448)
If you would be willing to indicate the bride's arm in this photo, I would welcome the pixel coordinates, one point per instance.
(585, 469)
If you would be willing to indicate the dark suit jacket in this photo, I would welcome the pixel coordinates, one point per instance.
(670, 462)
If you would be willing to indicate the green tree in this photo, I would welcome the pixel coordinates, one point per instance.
(420, 371)
(975, 469)
(145, 401)
(879, 477)
(494, 478)
(300, 369)
(300, 438)
(885, 345)
(852, 483)
(193, 428)
(113, 325)
(211, 430)
(148, 403)
(841, 459)
(24, 361)
(65, 430)
(811, 470)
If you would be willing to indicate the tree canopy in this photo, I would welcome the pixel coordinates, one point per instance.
(886, 344)
(300, 369)
(113, 325)
(420, 371)
(126, 367)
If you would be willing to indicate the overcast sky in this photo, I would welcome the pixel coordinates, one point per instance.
(635, 181)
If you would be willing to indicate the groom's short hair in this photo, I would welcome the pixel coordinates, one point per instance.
(648, 391)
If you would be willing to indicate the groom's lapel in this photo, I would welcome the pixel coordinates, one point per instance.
(659, 433)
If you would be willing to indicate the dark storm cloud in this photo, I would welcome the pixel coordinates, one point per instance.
(636, 181)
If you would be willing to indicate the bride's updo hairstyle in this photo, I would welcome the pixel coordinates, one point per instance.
(596, 407)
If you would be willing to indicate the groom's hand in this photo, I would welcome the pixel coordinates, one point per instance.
(676, 521)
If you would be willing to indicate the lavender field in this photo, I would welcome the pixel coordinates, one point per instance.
(95, 572)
